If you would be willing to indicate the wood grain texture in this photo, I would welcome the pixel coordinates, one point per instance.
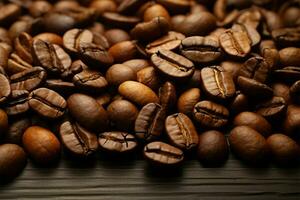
(134, 180)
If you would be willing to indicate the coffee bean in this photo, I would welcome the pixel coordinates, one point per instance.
(212, 148)
(197, 24)
(171, 41)
(95, 55)
(162, 154)
(13, 159)
(187, 101)
(248, 144)
(210, 114)
(284, 150)
(239, 104)
(117, 142)
(50, 38)
(288, 74)
(254, 121)
(129, 6)
(137, 64)
(283, 90)
(156, 10)
(149, 123)
(28, 79)
(291, 123)
(115, 36)
(17, 103)
(233, 68)
(119, 73)
(16, 130)
(50, 56)
(3, 123)
(122, 114)
(272, 109)
(87, 112)
(103, 6)
(138, 93)
(9, 13)
(62, 87)
(74, 38)
(270, 53)
(217, 83)
(290, 56)
(5, 88)
(78, 140)
(255, 68)
(41, 145)
(23, 45)
(252, 33)
(167, 95)
(47, 103)
(59, 23)
(235, 43)
(287, 37)
(15, 64)
(251, 17)
(149, 77)
(172, 65)
(254, 88)
(90, 81)
(123, 51)
(201, 49)
(181, 131)
(148, 31)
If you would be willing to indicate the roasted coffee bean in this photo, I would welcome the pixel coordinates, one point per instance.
(129, 6)
(60, 86)
(270, 53)
(104, 99)
(47, 103)
(232, 67)
(252, 33)
(115, 36)
(290, 56)
(212, 148)
(117, 142)
(201, 49)
(102, 6)
(87, 112)
(41, 145)
(119, 73)
(172, 65)
(122, 114)
(248, 144)
(95, 55)
(3, 122)
(287, 37)
(5, 88)
(283, 90)
(74, 38)
(28, 79)
(156, 10)
(17, 103)
(90, 81)
(187, 100)
(283, 149)
(254, 88)
(171, 41)
(137, 93)
(149, 77)
(149, 123)
(217, 83)
(288, 74)
(50, 56)
(254, 121)
(148, 31)
(4, 54)
(239, 104)
(15, 64)
(23, 45)
(272, 109)
(13, 159)
(16, 130)
(123, 51)
(137, 64)
(210, 114)
(181, 131)
(197, 24)
(162, 154)
(59, 23)
(120, 21)
(9, 13)
(78, 140)
(235, 43)
(255, 68)
(291, 123)
(250, 17)
(167, 95)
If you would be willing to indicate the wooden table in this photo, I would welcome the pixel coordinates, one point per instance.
(130, 180)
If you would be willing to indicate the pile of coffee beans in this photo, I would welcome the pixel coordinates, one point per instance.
(167, 79)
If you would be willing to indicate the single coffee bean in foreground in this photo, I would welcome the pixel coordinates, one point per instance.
(12, 160)
(41, 145)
